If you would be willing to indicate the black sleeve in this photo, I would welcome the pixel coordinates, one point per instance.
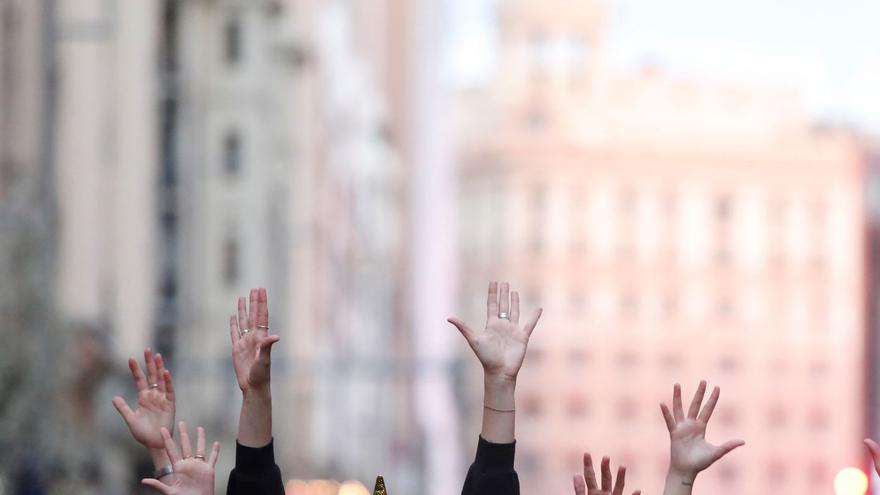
(492, 472)
(255, 472)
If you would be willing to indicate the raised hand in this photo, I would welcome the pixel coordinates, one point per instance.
(193, 473)
(690, 453)
(874, 448)
(251, 342)
(586, 484)
(501, 346)
(155, 402)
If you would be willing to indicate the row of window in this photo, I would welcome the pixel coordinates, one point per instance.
(630, 360)
(629, 410)
(779, 215)
(808, 309)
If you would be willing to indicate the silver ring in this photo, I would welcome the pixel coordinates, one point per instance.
(503, 316)
(154, 385)
(200, 456)
(264, 327)
(244, 332)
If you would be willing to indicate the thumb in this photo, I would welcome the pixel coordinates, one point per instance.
(156, 485)
(266, 348)
(874, 448)
(121, 406)
(463, 328)
(726, 448)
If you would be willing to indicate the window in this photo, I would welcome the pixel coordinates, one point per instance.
(723, 214)
(777, 472)
(230, 268)
(532, 406)
(538, 205)
(577, 302)
(818, 419)
(232, 153)
(627, 410)
(577, 407)
(232, 41)
(777, 417)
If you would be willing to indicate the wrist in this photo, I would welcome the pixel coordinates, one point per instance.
(160, 458)
(499, 381)
(258, 393)
(684, 477)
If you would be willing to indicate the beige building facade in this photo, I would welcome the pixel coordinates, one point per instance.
(674, 231)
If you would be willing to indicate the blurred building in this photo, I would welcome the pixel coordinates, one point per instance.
(673, 230)
(285, 177)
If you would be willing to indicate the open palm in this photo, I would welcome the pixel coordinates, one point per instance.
(501, 347)
(251, 342)
(690, 453)
(155, 402)
(194, 473)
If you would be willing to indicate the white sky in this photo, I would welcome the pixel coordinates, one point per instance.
(828, 50)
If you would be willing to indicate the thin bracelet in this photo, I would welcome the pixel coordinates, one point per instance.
(499, 410)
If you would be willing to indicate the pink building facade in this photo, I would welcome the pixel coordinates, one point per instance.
(673, 231)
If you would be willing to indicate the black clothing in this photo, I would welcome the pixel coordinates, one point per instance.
(492, 472)
(255, 472)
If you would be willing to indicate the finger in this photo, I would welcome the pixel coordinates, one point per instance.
(200, 441)
(242, 314)
(677, 409)
(580, 487)
(697, 401)
(151, 366)
(215, 454)
(637, 492)
(233, 329)
(709, 408)
(139, 380)
(620, 482)
(504, 299)
(169, 386)
(463, 328)
(252, 309)
(492, 302)
(725, 449)
(170, 448)
(514, 308)
(874, 448)
(160, 372)
(533, 321)
(124, 411)
(262, 310)
(667, 416)
(589, 473)
(185, 444)
(606, 474)
(156, 485)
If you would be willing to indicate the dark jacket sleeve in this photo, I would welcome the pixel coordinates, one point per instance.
(255, 472)
(492, 472)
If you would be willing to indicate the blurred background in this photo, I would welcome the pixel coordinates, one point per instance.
(689, 189)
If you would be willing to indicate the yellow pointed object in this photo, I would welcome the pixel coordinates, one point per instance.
(380, 486)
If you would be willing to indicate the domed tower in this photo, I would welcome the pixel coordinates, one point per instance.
(548, 44)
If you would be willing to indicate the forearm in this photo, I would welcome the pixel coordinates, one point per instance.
(499, 418)
(255, 421)
(679, 483)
